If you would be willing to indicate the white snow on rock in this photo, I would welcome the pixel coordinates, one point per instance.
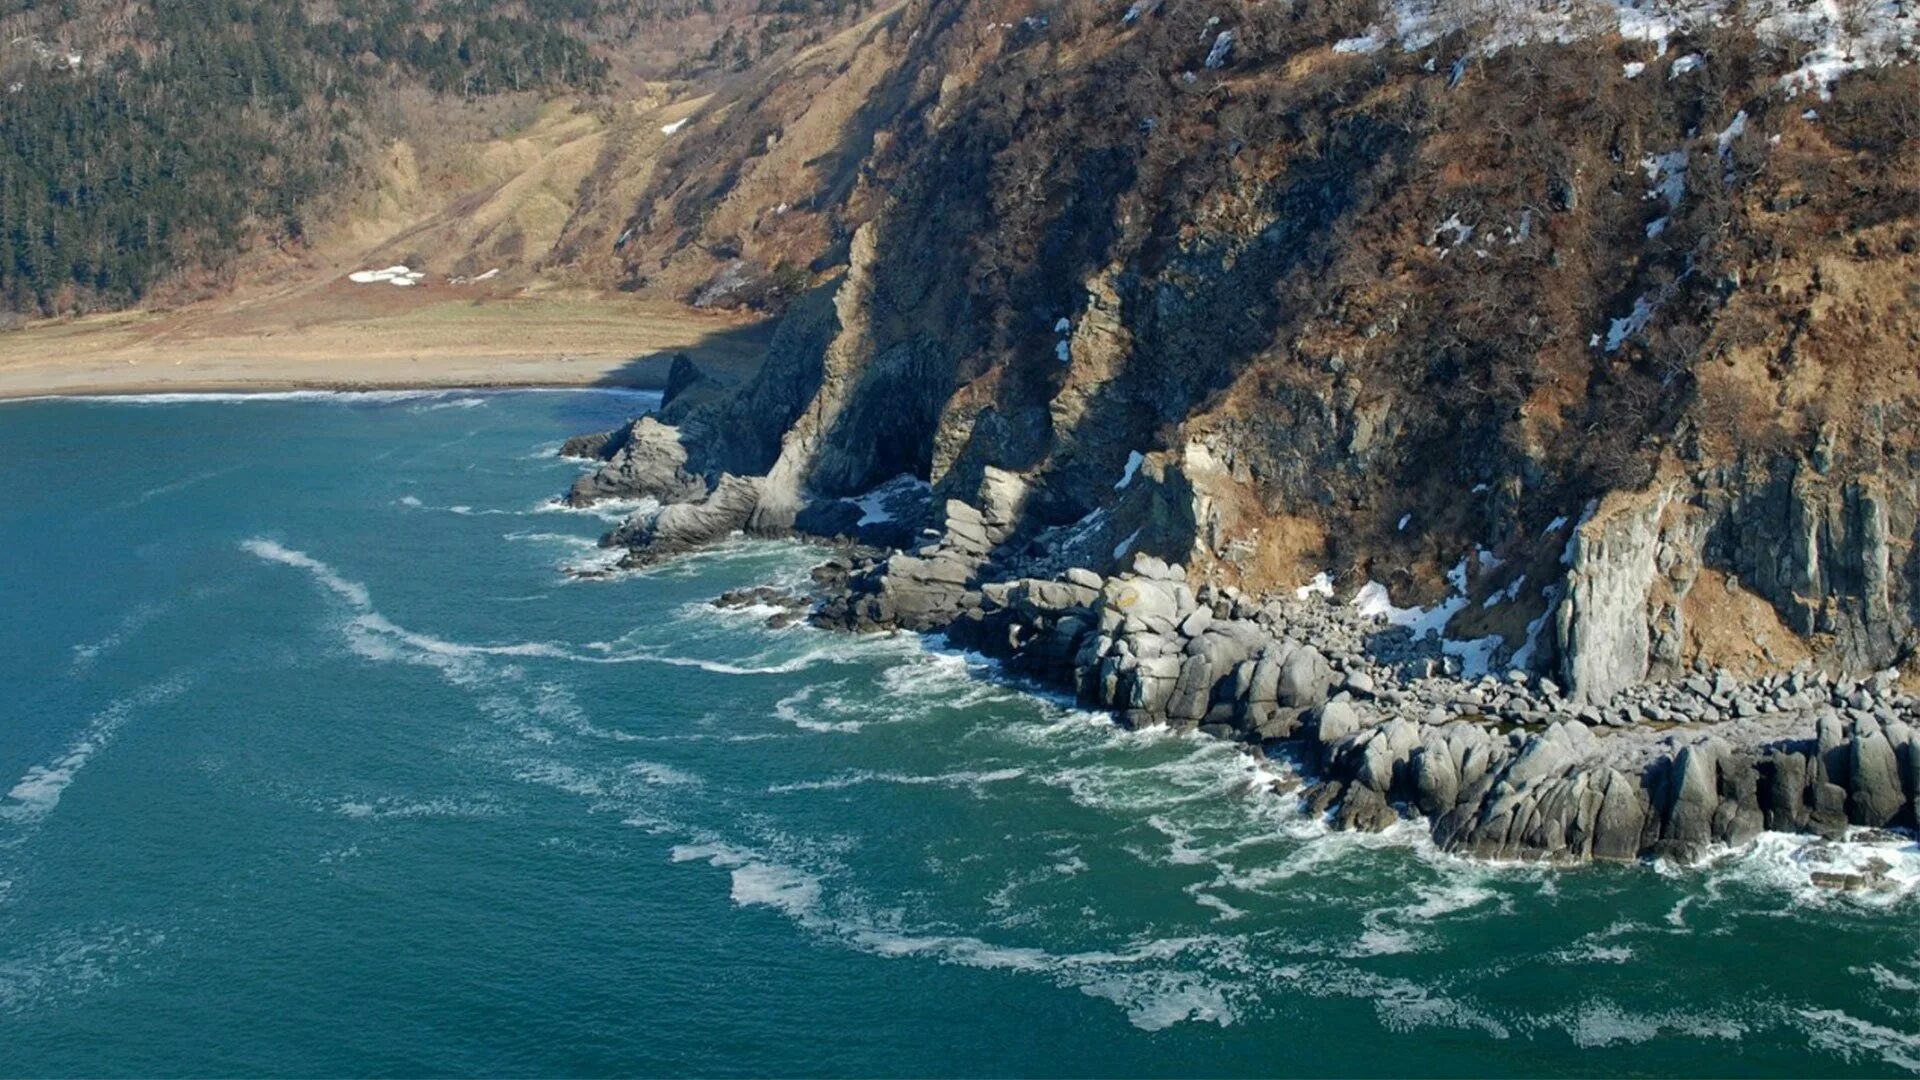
(873, 505)
(1566, 553)
(392, 275)
(1632, 69)
(1063, 351)
(1475, 654)
(1063, 326)
(675, 127)
(1222, 47)
(1372, 601)
(1506, 595)
(1621, 330)
(1668, 174)
(1460, 231)
(1134, 460)
(1732, 131)
(1404, 519)
(1881, 33)
(1124, 546)
(1523, 656)
(1321, 585)
(1365, 45)
(1814, 31)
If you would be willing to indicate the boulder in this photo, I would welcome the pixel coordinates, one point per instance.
(683, 526)
(1305, 678)
(646, 461)
(1621, 820)
(1874, 773)
(1142, 604)
(1693, 796)
(1329, 723)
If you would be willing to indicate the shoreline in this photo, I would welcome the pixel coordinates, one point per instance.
(272, 387)
(343, 341)
(1390, 725)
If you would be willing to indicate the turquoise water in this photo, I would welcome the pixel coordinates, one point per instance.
(318, 762)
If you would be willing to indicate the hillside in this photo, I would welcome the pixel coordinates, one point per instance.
(1586, 325)
(149, 151)
(1596, 320)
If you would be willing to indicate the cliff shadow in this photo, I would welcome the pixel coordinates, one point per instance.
(730, 354)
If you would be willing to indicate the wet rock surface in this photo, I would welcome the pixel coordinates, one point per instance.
(1598, 763)
(1502, 767)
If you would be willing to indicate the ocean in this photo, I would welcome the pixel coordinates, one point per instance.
(316, 760)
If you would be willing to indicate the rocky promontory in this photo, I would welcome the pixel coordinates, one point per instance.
(1385, 724)
(1549, 473)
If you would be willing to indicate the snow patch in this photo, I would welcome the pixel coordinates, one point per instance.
(1321, 585)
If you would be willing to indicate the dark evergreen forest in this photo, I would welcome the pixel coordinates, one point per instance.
(198, 125)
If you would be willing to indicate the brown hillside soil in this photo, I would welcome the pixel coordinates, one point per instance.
(491, 187)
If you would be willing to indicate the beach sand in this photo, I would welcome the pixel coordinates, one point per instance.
(355, 337)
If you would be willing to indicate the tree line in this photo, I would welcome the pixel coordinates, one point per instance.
(207, 123)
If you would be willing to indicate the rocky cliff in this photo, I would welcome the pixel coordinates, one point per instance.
(1576, 344)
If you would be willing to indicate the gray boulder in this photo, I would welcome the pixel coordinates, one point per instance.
(644, 461)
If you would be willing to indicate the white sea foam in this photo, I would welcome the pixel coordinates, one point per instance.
(38, 791)
(1851, 1038)
(611, 511)
(664, 775)
(177, 485)
(1157, 981)
(563, 539)
(84, 655)
(964, 778)
(1400, 1005)
(1888, 979)
(384, 807)
(1599, 1022)
(371, 632)
(790, 708)
(775, 886)
(352, 592)
(70, 962)
(452, 403)
(1887, 863)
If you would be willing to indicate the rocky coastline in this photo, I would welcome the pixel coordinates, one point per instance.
(1386, 725)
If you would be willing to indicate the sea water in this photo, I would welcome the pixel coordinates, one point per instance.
(316, 759)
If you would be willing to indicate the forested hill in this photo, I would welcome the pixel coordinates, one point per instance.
(146, 145)
(139, 140)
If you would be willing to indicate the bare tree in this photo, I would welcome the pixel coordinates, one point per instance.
(1855, 20)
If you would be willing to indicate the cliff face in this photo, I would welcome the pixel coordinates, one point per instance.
(1595, 339)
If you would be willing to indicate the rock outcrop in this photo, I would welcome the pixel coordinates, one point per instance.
(1502, 768)
(1601, 624)
(643, 460)
(1607, 411)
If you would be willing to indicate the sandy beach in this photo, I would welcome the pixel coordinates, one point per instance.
(359, 338)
